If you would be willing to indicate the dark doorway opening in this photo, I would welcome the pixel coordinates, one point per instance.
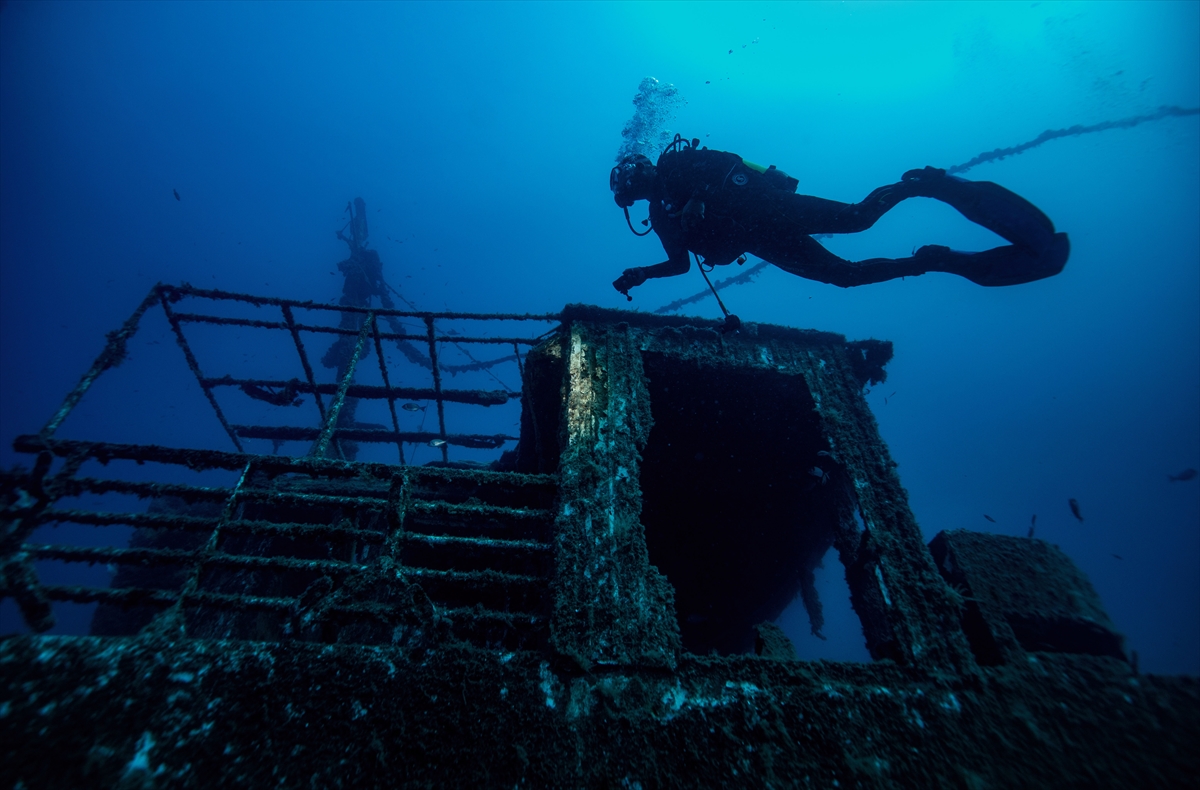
(736, 503)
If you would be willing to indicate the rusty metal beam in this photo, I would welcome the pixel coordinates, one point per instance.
(180, 291)
(114, 354)
(195, 366)
(437, 387)
(254, 323)
(298, 434)
(200, 459)
(308, 371)
(370, 392)
(388, 386)
(339, 400)
(199, 524)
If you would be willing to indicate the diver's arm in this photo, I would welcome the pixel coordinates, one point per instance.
(631, 278)
(674, 242)
(671, 235)
(668, 268)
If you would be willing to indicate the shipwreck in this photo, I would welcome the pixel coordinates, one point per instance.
(578, 595)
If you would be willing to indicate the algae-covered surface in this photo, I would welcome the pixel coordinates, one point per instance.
(150, 713)
(594, 618)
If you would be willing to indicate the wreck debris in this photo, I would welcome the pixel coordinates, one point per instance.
(277, 391)
(317, 614)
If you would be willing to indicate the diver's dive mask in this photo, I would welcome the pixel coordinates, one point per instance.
(623, 178)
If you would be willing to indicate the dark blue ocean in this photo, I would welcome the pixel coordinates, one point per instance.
(480, 137)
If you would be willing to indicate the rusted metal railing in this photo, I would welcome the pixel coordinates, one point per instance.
(367, 500)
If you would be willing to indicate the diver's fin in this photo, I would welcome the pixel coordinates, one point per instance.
(1001, 211)
(1008, 265)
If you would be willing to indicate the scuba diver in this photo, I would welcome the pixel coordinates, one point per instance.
(718, 206)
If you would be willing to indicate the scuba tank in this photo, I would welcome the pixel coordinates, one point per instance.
(775, 177)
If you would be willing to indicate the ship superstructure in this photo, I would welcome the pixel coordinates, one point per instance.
(564, 578)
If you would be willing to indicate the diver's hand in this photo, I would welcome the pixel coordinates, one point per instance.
(630, 278)
(692, 214)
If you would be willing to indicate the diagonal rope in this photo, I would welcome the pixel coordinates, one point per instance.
(737, 279)
(1073, 131)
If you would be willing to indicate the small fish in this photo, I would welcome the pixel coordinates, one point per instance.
(1075, 509)
(824, 454)
(175, 192)
(412, 407)
(731, 52)
(1118, 556)
(820, 474)
(1186, 474)
(989, 518)
(436, 442)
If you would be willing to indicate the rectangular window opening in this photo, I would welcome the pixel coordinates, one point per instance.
(741, 505)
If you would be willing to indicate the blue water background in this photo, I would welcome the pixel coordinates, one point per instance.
(481, 135)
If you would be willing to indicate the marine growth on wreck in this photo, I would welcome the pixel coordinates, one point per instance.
(592, 605)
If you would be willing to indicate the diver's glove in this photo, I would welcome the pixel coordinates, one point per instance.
(692, 214)
(630, 278)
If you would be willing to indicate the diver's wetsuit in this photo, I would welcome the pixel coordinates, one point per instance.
(748, 211)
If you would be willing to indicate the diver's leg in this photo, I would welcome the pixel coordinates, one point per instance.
(1007, 265)
(818, 215)
(1012, 264)
(805, 257)
(1001, 211)
(1036, 252)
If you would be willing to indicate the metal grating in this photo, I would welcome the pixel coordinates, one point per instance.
(367, 336)
(313, 548)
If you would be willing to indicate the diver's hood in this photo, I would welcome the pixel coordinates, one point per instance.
(625, 179)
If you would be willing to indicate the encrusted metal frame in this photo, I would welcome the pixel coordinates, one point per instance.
(167, 295)
(29, 496)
